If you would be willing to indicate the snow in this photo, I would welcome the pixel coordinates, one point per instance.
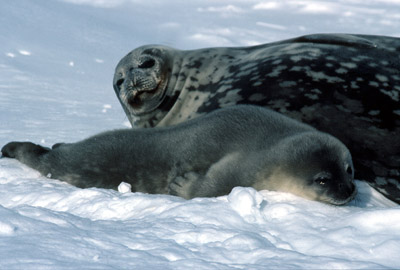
(56, 67)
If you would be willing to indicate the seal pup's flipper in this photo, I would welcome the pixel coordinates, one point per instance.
(26, 152)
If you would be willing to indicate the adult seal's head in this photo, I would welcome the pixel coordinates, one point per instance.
(141, 82)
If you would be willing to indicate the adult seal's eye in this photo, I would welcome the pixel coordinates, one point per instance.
(119, 82)
(147, 64)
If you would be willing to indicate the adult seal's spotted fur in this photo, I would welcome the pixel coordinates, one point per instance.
(238, 146)
(345, 85)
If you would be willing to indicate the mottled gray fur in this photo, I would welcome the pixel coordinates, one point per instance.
(208, 156)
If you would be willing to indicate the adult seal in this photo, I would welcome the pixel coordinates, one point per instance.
(345, 85)
(238, 146)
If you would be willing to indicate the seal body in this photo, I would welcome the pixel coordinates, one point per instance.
(345, 85)
(238, 146)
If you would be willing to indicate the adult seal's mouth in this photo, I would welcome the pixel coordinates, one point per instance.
(142, 101)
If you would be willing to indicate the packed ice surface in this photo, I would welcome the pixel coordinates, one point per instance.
(56, 67)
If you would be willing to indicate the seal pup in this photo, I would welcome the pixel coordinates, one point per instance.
(238, 146)
(345, 85)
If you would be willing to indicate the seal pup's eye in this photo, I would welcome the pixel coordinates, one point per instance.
(147, 64)
(349, 170)
(322, 178)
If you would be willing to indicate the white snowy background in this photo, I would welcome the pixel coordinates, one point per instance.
(56, 67)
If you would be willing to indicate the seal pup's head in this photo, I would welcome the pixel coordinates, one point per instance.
(141, 79)
(313, 165)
